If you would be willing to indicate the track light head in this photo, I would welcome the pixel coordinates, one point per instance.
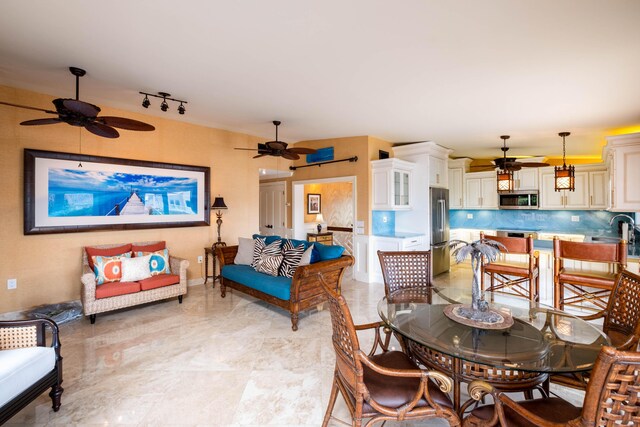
(164, 106)
(146, 102)
(181, 109)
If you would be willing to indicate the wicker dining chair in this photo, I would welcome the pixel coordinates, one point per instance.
(621, 322)
(406, 274)
(515, 277)
(612, 398)
(383, 386)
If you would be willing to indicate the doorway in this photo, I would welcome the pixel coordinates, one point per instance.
(273, 209)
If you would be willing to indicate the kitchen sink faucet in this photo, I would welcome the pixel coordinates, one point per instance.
(632, 229)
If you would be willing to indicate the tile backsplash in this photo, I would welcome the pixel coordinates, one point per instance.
(579, 222)
(383, 222)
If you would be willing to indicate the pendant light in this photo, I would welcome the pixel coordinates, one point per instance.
(565, 176)
(505, 176)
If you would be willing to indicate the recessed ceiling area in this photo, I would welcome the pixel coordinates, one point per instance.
(459, 73)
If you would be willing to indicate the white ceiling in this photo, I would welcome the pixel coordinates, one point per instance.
(459, 72)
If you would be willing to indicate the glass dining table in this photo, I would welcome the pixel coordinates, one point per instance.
(541, 341)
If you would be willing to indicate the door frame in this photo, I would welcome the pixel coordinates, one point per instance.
(282, 185)
(298, 203)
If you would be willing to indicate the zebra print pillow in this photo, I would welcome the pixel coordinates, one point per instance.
(261, 248)
(269, 264)
(291, 258)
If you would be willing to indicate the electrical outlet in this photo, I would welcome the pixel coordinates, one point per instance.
(200, 259)
(385, 219)
(575, 218)
(12, 283)
(469, 216)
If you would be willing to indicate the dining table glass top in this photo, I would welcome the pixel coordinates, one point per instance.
(541, 339)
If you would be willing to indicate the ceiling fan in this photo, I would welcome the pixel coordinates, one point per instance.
(509, 163)
(79, 113)
(278, 148)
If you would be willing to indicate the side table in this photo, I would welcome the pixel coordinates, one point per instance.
(210, 250)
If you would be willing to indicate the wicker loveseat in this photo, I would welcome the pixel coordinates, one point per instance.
(301, 292)
(93, 302)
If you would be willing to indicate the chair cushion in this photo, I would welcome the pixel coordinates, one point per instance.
(588, 278)
(159, 281)
(395, 392)
(113, 289)
(21, 368)
(278, 286)
(552, 409)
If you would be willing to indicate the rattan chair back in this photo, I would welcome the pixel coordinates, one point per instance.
(403, 271)
(622, 318)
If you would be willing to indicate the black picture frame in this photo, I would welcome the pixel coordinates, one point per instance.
(314, 203)
(169, 209)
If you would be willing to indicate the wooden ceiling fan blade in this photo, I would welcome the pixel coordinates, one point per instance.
(28, 108)
(102, 130)
(532, 164)
(38, 122)
(260, 155)
(259, 150)
(289, 155)
(302, 150)
(78, 107)
(124, 123)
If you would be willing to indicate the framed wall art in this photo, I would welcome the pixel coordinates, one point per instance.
(66, 192)
(313, 203)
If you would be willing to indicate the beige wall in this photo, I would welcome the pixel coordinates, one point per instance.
(48, 266)
(337, 205)
(364, 147)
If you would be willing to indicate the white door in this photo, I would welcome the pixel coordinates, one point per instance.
(455, 188)
(550, 199)
(579, 199)
(273, 213)
(598, 189)
(489, 193)
(472, 193)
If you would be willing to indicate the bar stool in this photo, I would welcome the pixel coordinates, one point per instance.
(586, 285)
(510, 275)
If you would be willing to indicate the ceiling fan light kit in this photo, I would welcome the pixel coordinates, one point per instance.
(504, 175)
(564, 176)
(83, 114)
(164, 105)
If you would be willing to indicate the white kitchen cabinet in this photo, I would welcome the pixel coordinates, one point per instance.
(622, 154)
(438, 176)
(480, 191)
(393, 244)
(526, 179)
(589, 193)
(392, 184)
(455, 188)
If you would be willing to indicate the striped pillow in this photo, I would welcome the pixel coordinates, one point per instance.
(269, 264)
(258, 245)
(291, 258)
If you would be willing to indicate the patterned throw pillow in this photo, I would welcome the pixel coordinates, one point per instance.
(159, 262)
(291, 258)
(260, 248)
(269, 264)
(108, 268)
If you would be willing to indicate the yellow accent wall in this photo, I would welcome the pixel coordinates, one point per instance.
(47, 266)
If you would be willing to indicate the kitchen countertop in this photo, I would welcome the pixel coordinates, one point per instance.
(400, 235)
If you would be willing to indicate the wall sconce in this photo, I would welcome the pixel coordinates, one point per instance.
(319, 220)
(219, 205)
(164, 106)
(565, 176)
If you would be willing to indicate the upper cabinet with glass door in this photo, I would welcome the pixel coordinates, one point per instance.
(392, 184)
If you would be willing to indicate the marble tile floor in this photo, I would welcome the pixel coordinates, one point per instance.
(210, 361)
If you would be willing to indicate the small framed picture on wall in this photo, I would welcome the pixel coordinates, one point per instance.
(313, 203)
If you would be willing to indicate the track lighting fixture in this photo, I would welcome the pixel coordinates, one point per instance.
(164, 106)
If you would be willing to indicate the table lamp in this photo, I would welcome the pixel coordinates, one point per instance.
(218, 204)
(319, 220)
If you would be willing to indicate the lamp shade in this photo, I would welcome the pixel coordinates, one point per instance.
(319, 218)
(218, 204)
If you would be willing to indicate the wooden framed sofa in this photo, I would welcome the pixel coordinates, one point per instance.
(296, 294)
(116, 295)
(28, 367)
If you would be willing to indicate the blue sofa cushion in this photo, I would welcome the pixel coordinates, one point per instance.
(329, 252)
(276, 286)
(269, 239)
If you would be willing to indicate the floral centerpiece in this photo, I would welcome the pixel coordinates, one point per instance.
(478, 314)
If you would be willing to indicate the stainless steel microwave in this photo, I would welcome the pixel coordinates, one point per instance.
(518, 200)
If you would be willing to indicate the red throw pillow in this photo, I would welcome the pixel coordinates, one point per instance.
(154, 247)
(117, 250)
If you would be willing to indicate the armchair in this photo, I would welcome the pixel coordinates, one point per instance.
(28, 367)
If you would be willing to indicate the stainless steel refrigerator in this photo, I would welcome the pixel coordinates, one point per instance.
(439, 230)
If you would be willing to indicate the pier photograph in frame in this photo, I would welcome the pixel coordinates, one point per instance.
(66, 192)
